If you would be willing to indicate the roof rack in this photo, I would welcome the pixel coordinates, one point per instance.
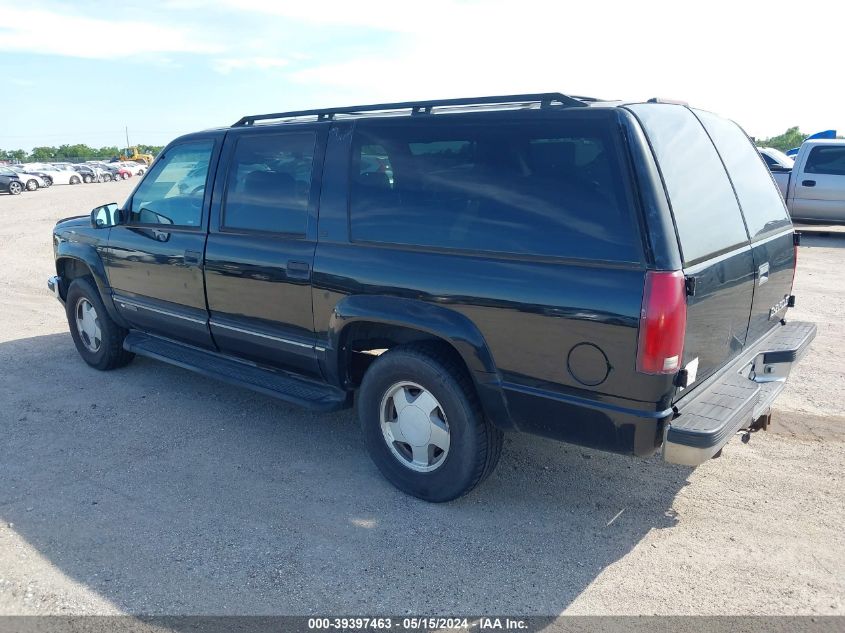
(545, 100)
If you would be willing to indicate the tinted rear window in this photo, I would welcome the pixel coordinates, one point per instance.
(826, 161)
(549, 188)
(758, 195)
(706, 212)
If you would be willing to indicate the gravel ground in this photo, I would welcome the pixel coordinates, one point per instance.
(153, 490)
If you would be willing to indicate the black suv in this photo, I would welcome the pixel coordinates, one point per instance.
(610, 274)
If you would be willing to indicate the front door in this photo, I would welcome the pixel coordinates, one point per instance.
(820, 185)
(154, 260)
(261, 246)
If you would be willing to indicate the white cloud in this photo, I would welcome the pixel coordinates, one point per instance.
(48, 32)
(228, 64)
(705, 54)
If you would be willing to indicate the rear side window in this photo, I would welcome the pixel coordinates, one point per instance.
(828, 161)
(706, 212)
(548, 188)
(269, 183)
(758, 195)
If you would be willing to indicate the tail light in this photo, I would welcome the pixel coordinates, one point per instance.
(663, 323)
(796, 241)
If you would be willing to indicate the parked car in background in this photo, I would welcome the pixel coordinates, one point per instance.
(30, 182)
(814, 189)
(536, 263)
(108, 171)
(10, 184)
(89, 174)
(35, 172)
(60, 176)
(137, 169)
(779, 164)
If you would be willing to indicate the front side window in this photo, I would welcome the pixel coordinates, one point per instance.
(704, 206)
(173, 191)
(829, 161)
(551, 188)
(269, 183)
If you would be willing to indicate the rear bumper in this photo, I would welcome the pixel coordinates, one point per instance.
(732, 400)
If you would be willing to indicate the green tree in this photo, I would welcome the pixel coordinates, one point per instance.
(43, 154)
(793, 137)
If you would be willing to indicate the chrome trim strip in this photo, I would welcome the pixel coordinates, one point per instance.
(126, 302)
(260, 334)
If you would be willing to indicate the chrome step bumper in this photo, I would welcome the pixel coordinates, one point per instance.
(731, 401)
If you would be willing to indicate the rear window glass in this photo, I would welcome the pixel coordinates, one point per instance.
(758, 195)
(551, 188)
(826, 161)
(703, 202)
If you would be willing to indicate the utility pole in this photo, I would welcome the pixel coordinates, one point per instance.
(127, 138)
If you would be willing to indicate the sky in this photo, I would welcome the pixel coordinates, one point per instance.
(84, 71)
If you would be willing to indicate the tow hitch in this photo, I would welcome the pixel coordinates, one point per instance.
(760, 424)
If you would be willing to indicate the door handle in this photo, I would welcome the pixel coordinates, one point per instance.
(808, 183)
(298, 270)
(193, 257)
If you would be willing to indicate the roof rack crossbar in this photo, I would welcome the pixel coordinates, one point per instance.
(418, 107)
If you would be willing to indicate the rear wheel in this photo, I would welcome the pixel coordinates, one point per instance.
(15, 187)
(88, 178)
(31, 185)
(74, 180)
(106, 177)
(422, 423)
(124, 176)
(98, 339)
(48, 182)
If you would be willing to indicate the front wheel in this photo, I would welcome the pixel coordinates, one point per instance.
(31, 185)
(423, 425)
(88, 179)
(98, 339)
(74, 180)
(47, 181)
(106, 177)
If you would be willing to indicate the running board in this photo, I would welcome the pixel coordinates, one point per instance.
(279, 384)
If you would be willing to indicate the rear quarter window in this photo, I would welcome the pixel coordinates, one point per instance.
(552, 188)
(758, 195)
(705, 209)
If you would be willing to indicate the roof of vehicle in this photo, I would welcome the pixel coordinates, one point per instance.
(824, 141)
(502, 103)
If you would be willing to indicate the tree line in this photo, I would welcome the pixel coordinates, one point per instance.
(70, 153)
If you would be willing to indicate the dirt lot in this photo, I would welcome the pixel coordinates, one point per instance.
(154, 490)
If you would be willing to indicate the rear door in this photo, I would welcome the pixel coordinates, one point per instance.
(260, 250)
(715, 249)
(820, 185)
(766, 218)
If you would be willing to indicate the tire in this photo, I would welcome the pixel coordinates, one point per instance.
(15, 188)
(88, 179)
(48, 181)
(124, 176)
(473, 447)
(107, 178)
(31, 185)
(74, 180)
(100, 344)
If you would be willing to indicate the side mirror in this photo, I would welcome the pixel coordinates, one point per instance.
(105, 216)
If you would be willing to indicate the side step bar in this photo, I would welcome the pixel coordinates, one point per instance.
(732, 400)
(279, 384)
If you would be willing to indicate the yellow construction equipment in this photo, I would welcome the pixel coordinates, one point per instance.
(131, 153)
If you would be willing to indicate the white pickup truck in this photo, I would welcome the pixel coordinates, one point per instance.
(814, 189)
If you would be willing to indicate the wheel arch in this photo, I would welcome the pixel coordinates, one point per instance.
(73, 261)
(380, 322)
